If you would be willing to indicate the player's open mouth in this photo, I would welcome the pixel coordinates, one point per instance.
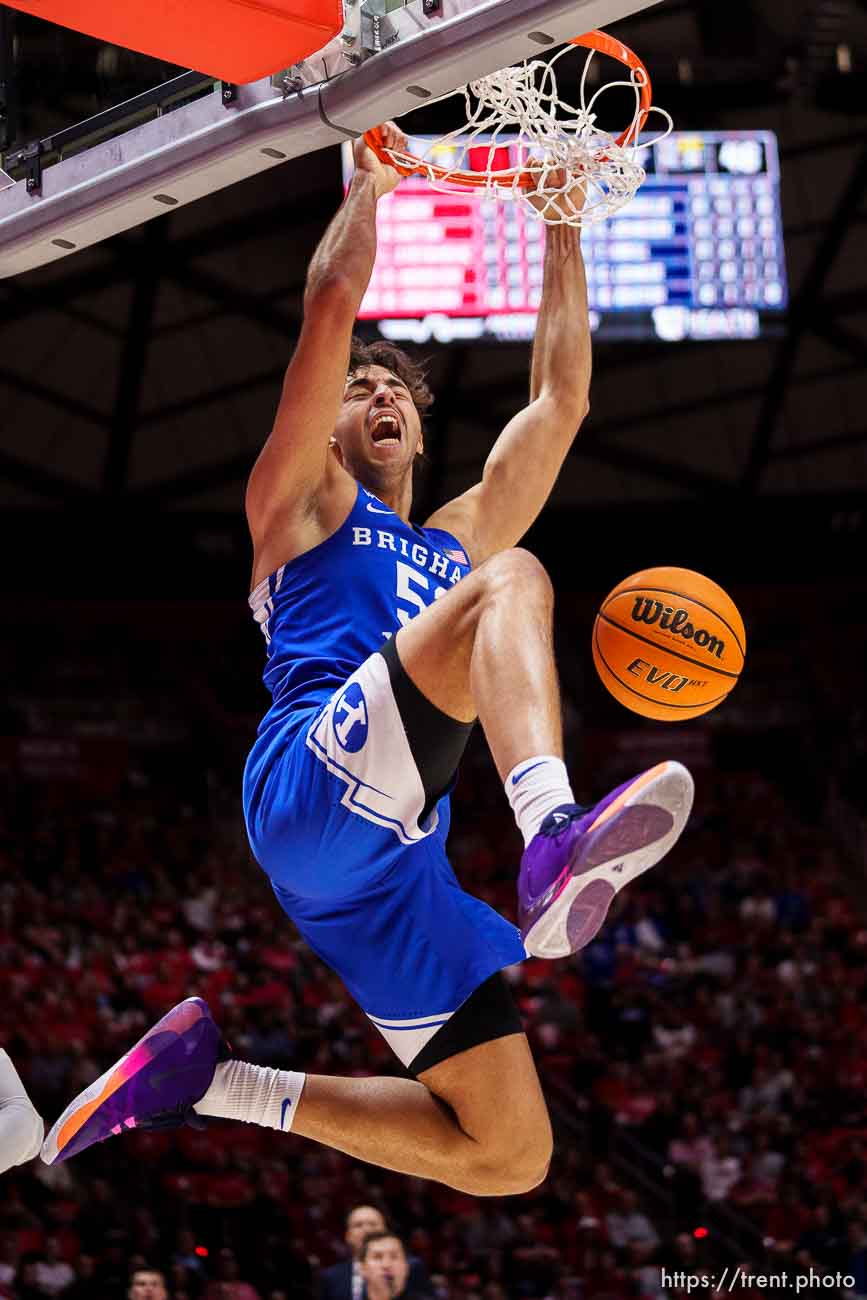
(385, 428)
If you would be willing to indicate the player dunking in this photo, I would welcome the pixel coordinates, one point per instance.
(385, 642)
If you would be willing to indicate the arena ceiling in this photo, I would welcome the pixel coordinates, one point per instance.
(145, 371)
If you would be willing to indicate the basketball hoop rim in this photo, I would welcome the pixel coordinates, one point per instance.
(601, 43)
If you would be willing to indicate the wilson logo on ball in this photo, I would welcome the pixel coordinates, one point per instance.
(650, 611)
(668, 643)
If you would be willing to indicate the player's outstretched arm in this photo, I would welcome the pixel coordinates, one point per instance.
(292, 464)
(524, 462)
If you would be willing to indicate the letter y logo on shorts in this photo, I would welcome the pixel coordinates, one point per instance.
(350, 719)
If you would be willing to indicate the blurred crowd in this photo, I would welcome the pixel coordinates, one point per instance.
(705, 1057)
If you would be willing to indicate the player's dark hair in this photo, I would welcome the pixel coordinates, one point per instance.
(392, 358)
(380, 1236)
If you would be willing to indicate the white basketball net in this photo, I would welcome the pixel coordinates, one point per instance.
(580, 173)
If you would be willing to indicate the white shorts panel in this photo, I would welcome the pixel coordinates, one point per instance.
(361, 739)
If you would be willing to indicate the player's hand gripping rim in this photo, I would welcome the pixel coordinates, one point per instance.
(385, 176)
(554, 197)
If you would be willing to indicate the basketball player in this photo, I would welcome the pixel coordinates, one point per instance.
(386, 641)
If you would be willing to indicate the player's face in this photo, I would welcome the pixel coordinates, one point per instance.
(378, 432)
(386, 1259)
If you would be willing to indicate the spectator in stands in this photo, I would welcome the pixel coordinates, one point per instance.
(344, 1281)
(673, 1033)
(533, 1261)
(228, 1285)
(720, 1170)
(824, 1242)
(182, 1282)
(690, 1148)
(147, 1284)
(680, 1255)
(114, 1263)
(626, 1224)
(751, 1189)
(768, 1164)
(856, 1264)
(285, 1261)
(27, 1286)
(84, 1287)
(184, 1255)
(9, 1254)
(385, 1268)
(770, 1083)
(53, 1274)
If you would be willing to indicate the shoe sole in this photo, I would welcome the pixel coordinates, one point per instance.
(148, 1048)
(20, 1114)
(628, 837)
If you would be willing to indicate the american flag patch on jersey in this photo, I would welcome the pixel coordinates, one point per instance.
(457, 556)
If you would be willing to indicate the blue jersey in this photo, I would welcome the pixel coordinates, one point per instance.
(326, 611)
(332, 795)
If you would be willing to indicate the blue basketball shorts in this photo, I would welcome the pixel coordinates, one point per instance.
(347, 812)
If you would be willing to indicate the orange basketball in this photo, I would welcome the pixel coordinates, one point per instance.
(669, 644)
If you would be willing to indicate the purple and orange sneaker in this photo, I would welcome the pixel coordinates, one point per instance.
(581, 857)
(155, 1085)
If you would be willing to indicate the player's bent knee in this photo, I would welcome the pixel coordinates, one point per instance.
(514, 1168)
(517, 569)
(526, 1173)
(511, 1176)
(536, 1159)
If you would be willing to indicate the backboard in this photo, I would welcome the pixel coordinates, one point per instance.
(237, 43)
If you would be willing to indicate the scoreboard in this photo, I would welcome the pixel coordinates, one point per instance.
(697, 254)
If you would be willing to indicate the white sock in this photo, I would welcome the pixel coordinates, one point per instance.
(21, 1126)
(255, 1094)
(534, 788)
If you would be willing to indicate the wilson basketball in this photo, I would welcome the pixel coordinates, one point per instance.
(669, 644)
